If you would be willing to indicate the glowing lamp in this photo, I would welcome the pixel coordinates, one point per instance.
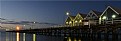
(67, 13)
(70, 22)
(17, 28)
(113, 16)
(104, 17)
(76, 21)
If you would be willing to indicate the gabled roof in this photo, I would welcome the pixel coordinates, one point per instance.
(72, 17)
(68, 19)
(97, 12)
(83, 15)
(116, 10)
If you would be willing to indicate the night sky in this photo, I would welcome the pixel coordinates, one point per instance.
(50, 11)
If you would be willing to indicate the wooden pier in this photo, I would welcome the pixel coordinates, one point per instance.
(112, 31)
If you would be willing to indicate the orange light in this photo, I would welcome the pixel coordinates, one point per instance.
(17, 37)
(17, 28)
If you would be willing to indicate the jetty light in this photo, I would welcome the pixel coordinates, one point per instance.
(34, 22)
(113, 16)
(17, 28)
(67, 13)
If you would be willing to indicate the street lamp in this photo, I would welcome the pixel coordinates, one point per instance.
(33, 24)
(67, 13)
(113, 16)
(17, 28)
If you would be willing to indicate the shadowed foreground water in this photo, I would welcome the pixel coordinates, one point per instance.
(10, 36)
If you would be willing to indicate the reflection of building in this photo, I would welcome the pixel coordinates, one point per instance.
(110, 15)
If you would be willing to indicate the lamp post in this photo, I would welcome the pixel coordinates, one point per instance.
(113, 16)
(33, 24)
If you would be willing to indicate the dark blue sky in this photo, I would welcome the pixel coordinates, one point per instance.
(50, 11)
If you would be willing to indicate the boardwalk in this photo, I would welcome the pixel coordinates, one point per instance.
(94, 31)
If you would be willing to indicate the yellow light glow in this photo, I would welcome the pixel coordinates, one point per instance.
(34, 37)
(75, 39)
(80, 21)
(70, 22)
(76, 21)
(66, 22)
(79, 40)
(113, 16)
(69, 39)
(104, 17)
(17, 28)
(17, 37)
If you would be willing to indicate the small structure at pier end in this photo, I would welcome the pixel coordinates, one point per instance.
(111, 15)
(92, 17)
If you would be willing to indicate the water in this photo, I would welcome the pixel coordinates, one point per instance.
(9, 36)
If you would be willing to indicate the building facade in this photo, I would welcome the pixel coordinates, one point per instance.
(110, 15)
(75, 20)
(92, 17)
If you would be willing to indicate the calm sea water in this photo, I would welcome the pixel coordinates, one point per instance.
(9, 36)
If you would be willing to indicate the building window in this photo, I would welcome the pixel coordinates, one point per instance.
(70, 22)
(66, 22)
(76, 21)
(86, 23)
(80, 21)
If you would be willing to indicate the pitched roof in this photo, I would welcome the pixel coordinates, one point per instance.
(83, 15)
(72, 17)
(116, 9)
(97, 12)
(68, 19)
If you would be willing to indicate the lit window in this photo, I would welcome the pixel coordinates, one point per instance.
(104, 17)
(76, 21)
(86, 23)
(80, 21)
(66, 22)
(113, 16)
(70, 22)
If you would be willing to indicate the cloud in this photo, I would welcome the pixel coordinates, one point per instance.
(2, 19)
(23, 22)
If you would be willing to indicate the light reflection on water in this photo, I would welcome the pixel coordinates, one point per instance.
(73, 39)
(34, 37)
(24, 35)
(11, 36)
(17, 36)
